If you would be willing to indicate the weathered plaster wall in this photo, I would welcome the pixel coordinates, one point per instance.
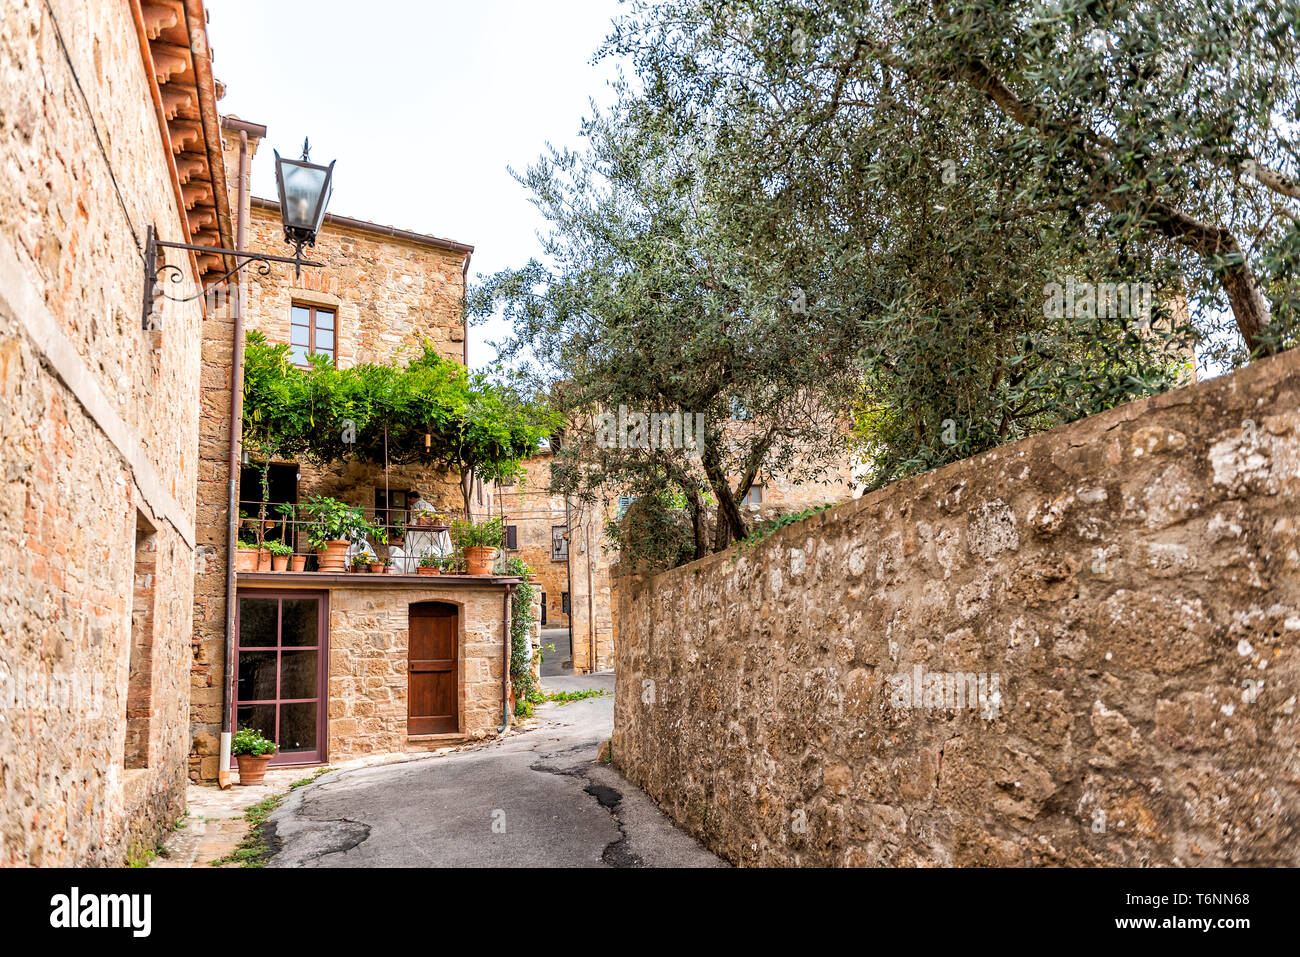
(97, 425)
(1132, 579)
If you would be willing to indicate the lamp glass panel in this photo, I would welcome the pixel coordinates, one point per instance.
(302, 194)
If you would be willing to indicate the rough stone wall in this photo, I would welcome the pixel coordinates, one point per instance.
(783, 494)
(530, 507)
(389, 293)
(594, 629)
(97, 425)
(1132, 580)
(369, 640)
(211, 515)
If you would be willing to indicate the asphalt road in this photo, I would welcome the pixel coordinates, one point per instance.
(534, 799)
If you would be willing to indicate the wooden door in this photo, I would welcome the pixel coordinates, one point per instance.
(431, 696)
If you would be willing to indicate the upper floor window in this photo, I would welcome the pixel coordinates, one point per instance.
(311, 332)
(754, 496)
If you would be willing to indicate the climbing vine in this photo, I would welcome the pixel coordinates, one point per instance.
(527, 692)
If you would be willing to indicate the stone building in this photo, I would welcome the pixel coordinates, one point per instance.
(564, 541)
(333, 666)
(110, 131)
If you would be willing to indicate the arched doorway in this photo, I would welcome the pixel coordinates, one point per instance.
(431, 698)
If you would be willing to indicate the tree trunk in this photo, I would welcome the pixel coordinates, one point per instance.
(1248, 306)
(699, 531)
(466, 487)
(731, 524)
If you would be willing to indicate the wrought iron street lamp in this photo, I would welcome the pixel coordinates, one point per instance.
(304, 193)
(304, 188)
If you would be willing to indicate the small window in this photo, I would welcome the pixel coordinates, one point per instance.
(754, 496)
(564, 602)
(512, 536)
(559, 543)
(391, 508)
(311, 332)
(139, 686)
(624, 503)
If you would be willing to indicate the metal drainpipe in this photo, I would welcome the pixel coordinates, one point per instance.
(464, 295)
(505, 661)
(568, 569)
(232, 499)
(591, 595)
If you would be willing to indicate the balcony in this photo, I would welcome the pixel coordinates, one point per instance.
(394, 544)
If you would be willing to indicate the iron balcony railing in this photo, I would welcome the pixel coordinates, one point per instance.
(395, 534)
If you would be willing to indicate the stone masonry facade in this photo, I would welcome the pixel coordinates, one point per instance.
(369, 638)
(389, 289)
(1106, 618)
(535, 512)
(98, 446)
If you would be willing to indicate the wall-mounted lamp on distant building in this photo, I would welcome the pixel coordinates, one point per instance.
(305, 189)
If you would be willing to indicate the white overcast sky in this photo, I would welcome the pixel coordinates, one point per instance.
(423, 103)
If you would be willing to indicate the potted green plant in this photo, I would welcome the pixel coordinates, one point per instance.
(361, 563)
(292, 535)
(336, 525)
(246, 556)
(253, 753)
(478, 542)
(280, 555)
(428, 565)
(379, 536)
(386, 564)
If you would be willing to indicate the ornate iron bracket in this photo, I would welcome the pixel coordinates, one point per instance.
(155, 274)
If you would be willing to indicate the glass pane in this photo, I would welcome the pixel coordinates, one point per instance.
(257, 676)
(257, 622)
(300, 315)
(298, 354)
(324, 320)
(298, 727)
(301, 624)
(298, 674)
(303, 188)
(324, 340)
(298, 335)
(259, 717)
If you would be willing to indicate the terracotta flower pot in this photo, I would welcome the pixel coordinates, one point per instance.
(478, 561)
(279, 563)
(252, 767)
(246, 559)
(263, 559)
(299, 563)
(426, 571)
(335, 556)
(376, 568)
